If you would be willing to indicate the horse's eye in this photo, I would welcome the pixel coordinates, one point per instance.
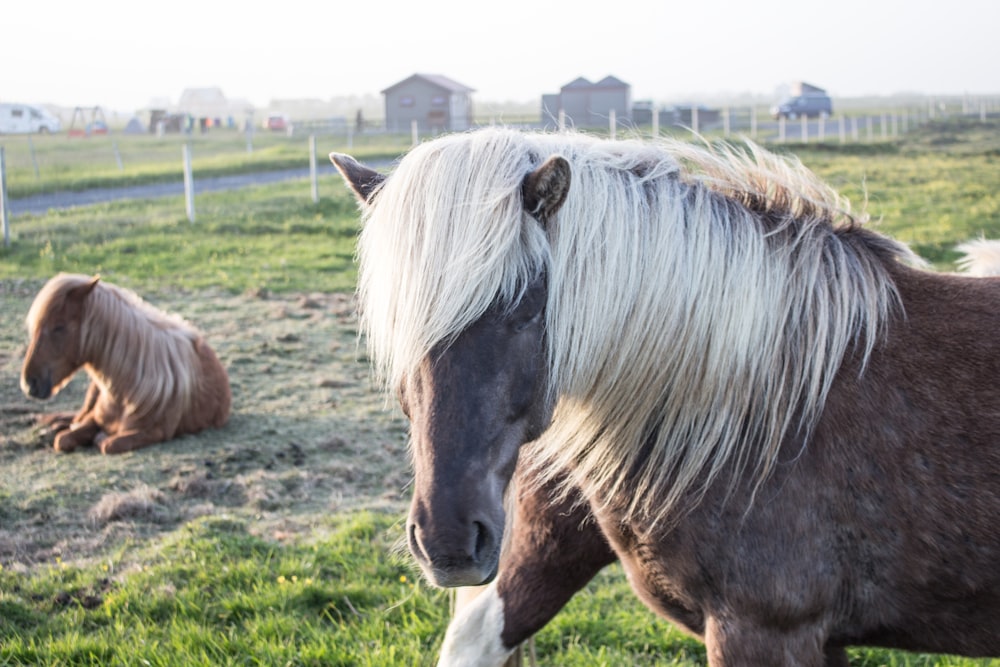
(525, 322)
(59, 329)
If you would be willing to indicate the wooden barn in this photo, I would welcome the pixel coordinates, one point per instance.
(589, 104)
(435, 102)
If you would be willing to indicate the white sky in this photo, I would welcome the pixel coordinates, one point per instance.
(121, 54)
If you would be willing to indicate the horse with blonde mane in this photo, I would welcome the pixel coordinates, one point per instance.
(152, 375)
(698, 361)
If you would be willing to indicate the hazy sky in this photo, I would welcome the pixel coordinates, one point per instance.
(123, 54)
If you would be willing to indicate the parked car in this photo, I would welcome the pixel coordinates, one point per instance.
(276, 122)
(26, 119)
(811, 105)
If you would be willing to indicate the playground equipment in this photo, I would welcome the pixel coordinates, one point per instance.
(97, 124)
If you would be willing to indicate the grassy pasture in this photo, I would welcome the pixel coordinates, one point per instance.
(275, 540)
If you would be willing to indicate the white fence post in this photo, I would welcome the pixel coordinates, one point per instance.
(781, 129)
(843, 129)
(414, 135)
(4, 218)
(694, 119)
(725, 122)
(188, 182)
(805, 129)
(562, 120)
(612, 124)
(312, 168)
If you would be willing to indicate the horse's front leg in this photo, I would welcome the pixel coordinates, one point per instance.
(737, 642)
(133, 438)
(555, 549)
(79, 434)
(60, 421)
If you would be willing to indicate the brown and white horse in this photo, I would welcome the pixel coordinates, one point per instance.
(696, 360)
(152, 375)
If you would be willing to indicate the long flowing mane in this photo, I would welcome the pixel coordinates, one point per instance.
(138, 353)
(700, 301)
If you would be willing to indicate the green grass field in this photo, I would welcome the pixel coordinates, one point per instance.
(202, 575)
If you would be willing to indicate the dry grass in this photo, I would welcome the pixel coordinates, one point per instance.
(308, 437)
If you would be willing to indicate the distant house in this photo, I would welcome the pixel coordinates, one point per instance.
(435, 102)
(587, 104)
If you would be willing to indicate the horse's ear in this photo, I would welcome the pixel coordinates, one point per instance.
(362, 180)
(81, 291)
(544, 190)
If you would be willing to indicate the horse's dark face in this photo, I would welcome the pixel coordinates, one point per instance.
(472, 404)
(471, 407)
(53, 354)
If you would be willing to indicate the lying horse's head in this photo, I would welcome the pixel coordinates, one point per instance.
(54, 329)
(472, 402)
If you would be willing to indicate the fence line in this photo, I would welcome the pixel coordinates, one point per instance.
(729, 121)
(4, 217)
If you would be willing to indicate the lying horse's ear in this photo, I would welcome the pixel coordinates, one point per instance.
(81, 291)
(362, 180)
(544, 190)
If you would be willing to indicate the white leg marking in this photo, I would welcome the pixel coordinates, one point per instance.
(473, 637)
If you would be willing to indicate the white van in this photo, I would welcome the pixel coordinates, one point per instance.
(26, 119)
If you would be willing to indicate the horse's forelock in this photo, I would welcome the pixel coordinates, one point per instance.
(445, 239)
(51, 296)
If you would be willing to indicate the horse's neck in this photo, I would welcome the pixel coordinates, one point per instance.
(108, 359)
(110, 384)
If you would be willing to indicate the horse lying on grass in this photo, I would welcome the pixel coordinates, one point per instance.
(699, 362)
(152, 376)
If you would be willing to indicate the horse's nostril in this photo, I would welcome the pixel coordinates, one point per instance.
(482, 540)
(416, 548)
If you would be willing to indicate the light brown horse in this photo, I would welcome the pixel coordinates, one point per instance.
(699, 362)
(152, 375)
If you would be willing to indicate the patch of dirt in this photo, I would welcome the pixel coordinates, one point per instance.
(309, 436)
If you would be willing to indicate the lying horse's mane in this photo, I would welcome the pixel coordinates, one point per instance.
(141, 355)
(700, 301)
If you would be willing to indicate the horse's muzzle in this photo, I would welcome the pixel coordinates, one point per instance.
(469, 558)
(37, 386)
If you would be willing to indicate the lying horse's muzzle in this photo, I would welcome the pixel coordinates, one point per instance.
(37, 386)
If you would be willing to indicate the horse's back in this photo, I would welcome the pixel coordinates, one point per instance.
(213, 398)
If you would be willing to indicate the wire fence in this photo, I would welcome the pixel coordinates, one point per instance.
(30, 164)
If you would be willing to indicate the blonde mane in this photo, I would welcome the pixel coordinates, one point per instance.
(140, 355)
(700, 301)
